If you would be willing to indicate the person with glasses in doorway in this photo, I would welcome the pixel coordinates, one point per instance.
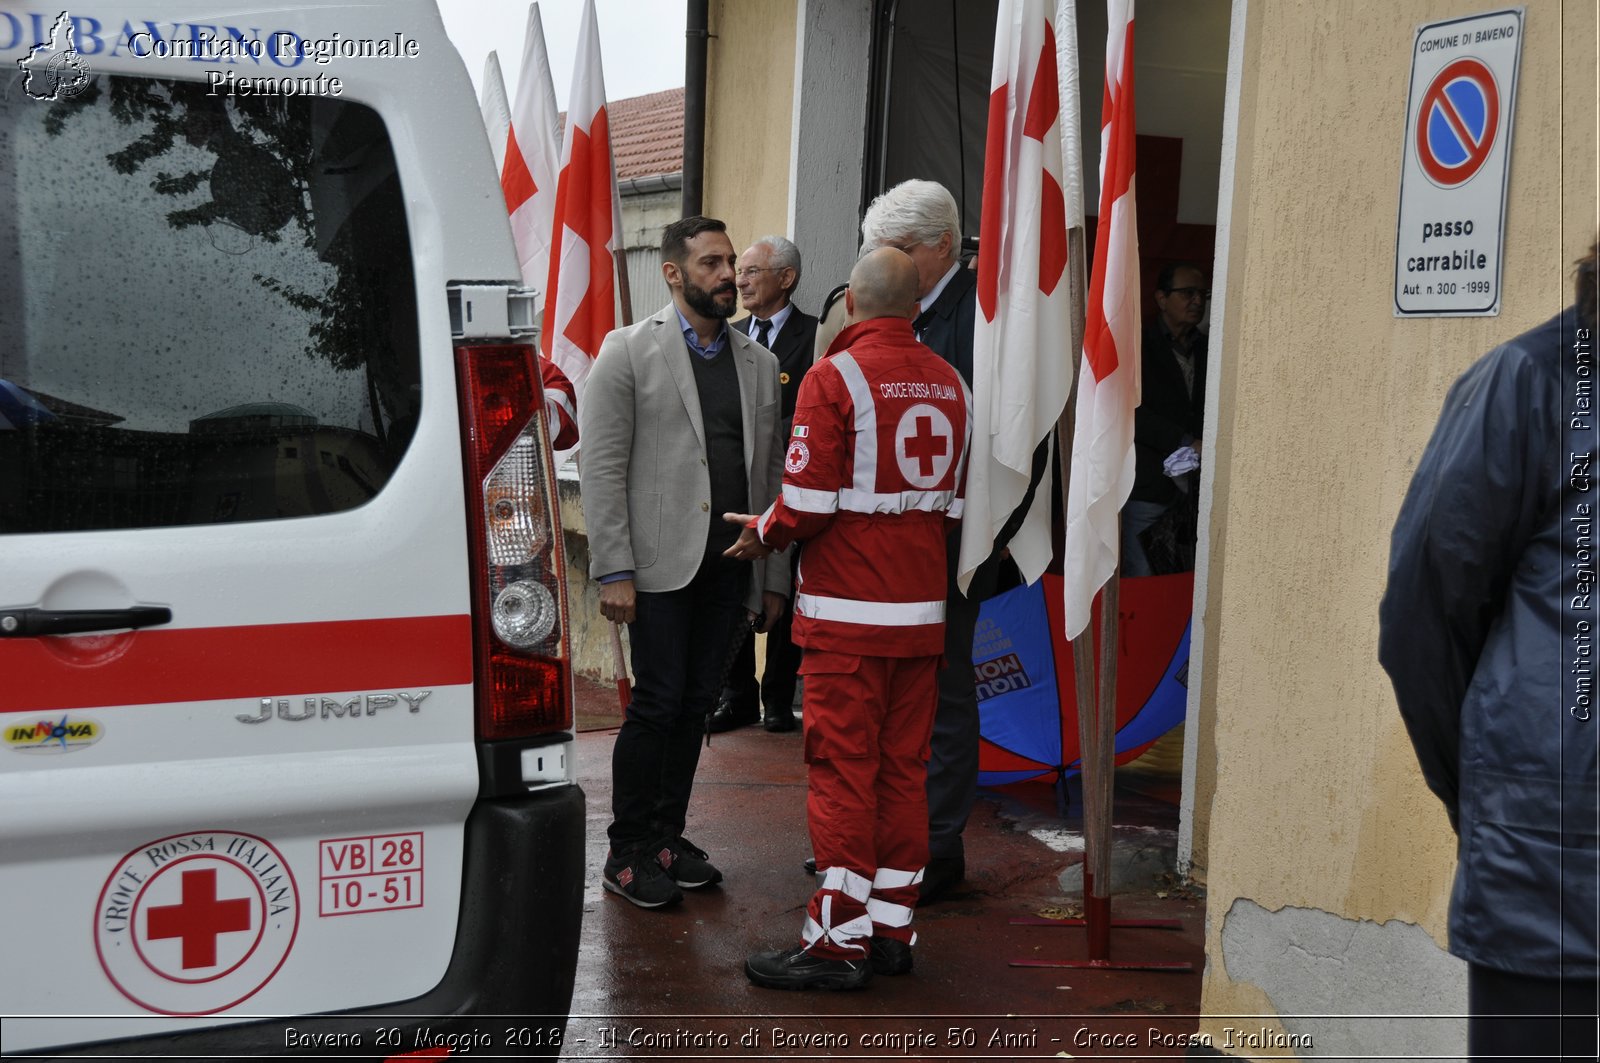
(1158, 522)
(767, 275)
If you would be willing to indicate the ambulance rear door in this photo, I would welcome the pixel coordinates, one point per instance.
(237, 704)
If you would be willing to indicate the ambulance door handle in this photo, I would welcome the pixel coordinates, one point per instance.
(31, 623)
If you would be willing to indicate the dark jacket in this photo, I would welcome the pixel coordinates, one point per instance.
(947, 325)
(947, 328)
(1476, 632)
(1168, 414)
(793, 348)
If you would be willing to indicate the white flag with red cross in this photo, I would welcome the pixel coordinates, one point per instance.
(532, 155)
(496, 109)
(581, 296)
(1108, 381)
(1021, 361)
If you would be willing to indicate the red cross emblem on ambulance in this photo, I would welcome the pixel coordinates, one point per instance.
(196, 923)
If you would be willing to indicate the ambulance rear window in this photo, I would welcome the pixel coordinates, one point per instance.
(207, 308)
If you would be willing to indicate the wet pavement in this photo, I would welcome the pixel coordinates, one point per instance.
(670, 983)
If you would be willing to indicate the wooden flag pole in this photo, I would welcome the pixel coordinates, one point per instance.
(1097, 900)
(1097, 717)
(1082, 646)
(624, 297)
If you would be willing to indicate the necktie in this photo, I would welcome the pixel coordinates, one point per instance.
(763, 331)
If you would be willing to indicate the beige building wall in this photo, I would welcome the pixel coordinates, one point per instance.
(1328, 862)
(750, 101)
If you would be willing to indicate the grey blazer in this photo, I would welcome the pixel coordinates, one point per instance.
(646, 485)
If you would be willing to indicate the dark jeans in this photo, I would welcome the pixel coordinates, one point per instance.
(1515, 1017)
(679, 644)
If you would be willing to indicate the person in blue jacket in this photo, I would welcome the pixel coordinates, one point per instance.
(1488, 631)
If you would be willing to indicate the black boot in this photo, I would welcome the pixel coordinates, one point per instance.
(729, 716)
(779, 719)
(890, 956)
(942, 875)
(795, 968)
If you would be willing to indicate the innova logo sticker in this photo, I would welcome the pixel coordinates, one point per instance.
(197, 923)
(66, 735)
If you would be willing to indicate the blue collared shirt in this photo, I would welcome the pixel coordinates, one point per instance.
(693, 339)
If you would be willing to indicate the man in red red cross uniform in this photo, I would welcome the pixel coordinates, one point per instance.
(872, 478)
(560, 405)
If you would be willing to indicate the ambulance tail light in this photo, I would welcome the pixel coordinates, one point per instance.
(521, 643)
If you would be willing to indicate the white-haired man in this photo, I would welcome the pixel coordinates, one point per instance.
(921, 219)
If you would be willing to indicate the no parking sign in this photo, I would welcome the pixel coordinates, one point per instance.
(1454, 165)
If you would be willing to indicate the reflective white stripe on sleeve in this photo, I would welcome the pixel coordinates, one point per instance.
(966, 445)
(887, 878)
(563, 400)
(885, 914)
(764, 522)
(865, 478)
(810, 500)
(879, 614)
(853, 501)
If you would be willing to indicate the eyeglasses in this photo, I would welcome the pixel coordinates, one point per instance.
(751, 271)
(1203, 294)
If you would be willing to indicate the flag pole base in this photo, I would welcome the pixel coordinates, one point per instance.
(1098, 928)
(1171, 966)
(1116, 924)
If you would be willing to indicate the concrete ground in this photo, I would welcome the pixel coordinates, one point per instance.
(670, 983)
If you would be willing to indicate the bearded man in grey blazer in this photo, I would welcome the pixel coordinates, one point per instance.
(680, 423)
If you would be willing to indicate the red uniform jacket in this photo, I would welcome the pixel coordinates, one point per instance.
(560, 405)
(875, 469)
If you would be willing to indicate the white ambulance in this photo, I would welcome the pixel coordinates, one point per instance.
(285, 684)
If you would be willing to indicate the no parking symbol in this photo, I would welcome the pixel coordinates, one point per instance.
(1455, 165)
(1460, 117)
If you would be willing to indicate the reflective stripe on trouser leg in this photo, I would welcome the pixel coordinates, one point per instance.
(867, 726)
(837, 924)
(894, 896)
(842, 711)
(901, 840)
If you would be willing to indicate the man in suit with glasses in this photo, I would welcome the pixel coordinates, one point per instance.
(767, 275)
(1169, 424)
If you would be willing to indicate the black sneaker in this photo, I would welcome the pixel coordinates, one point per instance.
(890, 956)
(686, 864)
(798, 969)
(638, 879)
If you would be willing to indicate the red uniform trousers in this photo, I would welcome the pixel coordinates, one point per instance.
(867, 726)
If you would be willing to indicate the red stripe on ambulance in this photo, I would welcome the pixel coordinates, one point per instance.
(254, 661)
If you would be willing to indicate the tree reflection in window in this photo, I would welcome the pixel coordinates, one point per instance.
(314, 170)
